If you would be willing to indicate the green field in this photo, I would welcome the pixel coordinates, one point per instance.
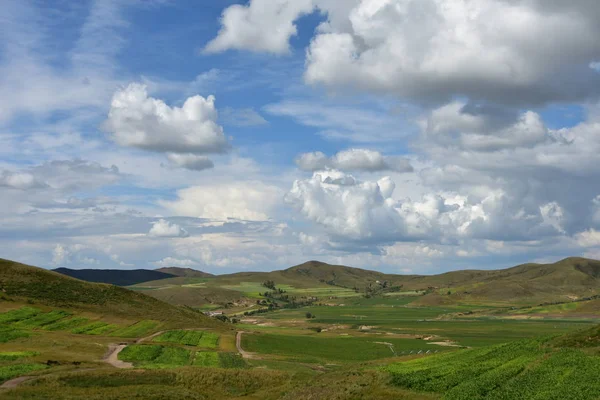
(139, 329)
(525, 370)
(313, 349)
(189, 338)
(155, 356)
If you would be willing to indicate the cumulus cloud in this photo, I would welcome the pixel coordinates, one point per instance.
(457, 125)
(262, 25)
(368, 211)
(165, 229)
(190, 161)
(244, 200)
(516, 52)
(137, 120)
(589, 238)
(353, 160)
(60, 255)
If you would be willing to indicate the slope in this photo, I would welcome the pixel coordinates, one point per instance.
(24, 283)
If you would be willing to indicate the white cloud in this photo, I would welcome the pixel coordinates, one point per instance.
(517, 52)
(175, 262)
(60, 255)
(166, 229)
(262, 25)
(190, 161)
(244, 200)
(589, 238)
(353, 160)
(19, 180)
(137, 120)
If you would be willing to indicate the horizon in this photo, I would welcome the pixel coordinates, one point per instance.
(239, 137)
(315, 261)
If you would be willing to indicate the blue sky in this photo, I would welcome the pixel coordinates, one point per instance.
(399, 135)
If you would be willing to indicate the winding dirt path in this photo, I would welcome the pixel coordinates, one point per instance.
(13, 383)
(112, 356)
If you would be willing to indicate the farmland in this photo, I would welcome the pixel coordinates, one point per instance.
(334, 340)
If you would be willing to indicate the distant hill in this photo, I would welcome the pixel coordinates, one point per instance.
(185, 272)
(115, 276)
(20, 282)
(569, 279)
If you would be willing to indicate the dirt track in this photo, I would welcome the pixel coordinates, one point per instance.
(238, 344)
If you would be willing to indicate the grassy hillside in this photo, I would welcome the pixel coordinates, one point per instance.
(115, 277)
(19, 282)
(566, 280)
(184, 272)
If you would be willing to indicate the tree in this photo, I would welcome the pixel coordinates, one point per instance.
(309, 315)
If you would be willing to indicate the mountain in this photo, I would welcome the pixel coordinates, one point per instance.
(24, 283)
(185, 272)
(115, 277)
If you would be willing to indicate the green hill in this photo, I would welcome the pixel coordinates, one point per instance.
(24, 283)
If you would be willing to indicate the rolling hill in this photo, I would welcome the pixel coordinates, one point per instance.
(24, 283)
(115, 277)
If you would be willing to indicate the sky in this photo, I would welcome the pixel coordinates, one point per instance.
(405, 136)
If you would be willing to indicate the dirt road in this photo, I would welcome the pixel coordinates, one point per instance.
(112, 356)
(238, 344)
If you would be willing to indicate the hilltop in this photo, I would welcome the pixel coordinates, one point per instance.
(116, 277)
(183, 272)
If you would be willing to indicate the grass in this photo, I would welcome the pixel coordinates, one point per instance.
(323, 348)
(155, 356)
(189, 338)
(8, 334)
(66, 324)
(231, 360)
(15, 355)
(172, 357)
(209, 340)
(529, 369)
(20, 314)
(11, 371)
(140, 353)
(40, 320)
(95, 328)
(206, 359)
(138, 329)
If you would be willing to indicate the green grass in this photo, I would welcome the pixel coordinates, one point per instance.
(40, 320)
(140, 353)
(172, 357)
(209, 340)
(206, 359)
(11, 371)
(8, 334)
(189, 338)
(139, 329)
(155, 356)
(66, 324)
(529, 369)
(324, 348)
(15, 355)
(20, 314)
(95, 328)
(231, 360)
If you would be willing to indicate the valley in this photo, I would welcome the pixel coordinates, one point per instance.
(286, 334)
